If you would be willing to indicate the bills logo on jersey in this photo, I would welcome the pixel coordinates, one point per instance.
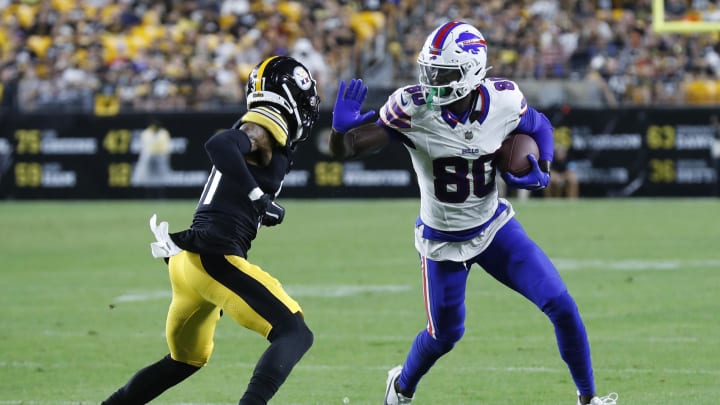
(470, 42)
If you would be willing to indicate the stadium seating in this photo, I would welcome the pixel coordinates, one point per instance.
(141, 48)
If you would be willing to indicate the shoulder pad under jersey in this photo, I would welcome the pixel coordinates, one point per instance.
(398, 110)
(506, 95)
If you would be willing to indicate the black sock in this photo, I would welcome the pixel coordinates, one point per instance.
(585, 399)
(399, 389)
(151, 381)
(287, 346)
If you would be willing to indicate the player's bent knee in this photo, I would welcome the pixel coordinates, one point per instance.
(192, 359)
(293, 327)
(303, 336)
(444, 346)
(182, 366)
(196, 355)
(561, 308)
(446, 340)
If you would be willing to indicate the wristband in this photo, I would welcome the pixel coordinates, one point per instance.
(544, 165)
(255, 194)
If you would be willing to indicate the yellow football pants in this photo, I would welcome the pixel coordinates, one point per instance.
(203, 285)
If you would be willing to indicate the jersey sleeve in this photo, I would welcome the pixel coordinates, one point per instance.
(271, 119)
(538, 126)
(521, 117)
(398, 110)
(509, 97)
(226, 150)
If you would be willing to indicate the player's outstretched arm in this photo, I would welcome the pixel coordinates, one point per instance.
(350, 137)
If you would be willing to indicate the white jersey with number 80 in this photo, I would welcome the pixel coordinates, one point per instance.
(452, 156)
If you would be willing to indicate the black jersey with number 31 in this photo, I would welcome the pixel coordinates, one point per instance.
(225, 221)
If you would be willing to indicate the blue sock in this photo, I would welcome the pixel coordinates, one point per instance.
(424, 352)
(572, 341)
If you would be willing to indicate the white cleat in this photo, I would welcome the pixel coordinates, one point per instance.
(392, 397)
(610, 399)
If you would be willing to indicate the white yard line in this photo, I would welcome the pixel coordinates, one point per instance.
(223, 335)
(563, 264)
(464, 369)
(632, 264)
(382, 369)
(32, 402)
(331, 291)
(316, 291)
(143, 296)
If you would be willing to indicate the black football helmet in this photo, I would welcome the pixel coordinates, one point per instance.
(285, 83)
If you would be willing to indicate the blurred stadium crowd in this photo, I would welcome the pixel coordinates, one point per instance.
(141, 55)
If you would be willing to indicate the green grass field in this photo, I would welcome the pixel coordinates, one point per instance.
(83, 304)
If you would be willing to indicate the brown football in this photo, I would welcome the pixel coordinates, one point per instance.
(512, 155)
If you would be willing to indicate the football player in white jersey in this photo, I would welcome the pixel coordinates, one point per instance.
(451, 123)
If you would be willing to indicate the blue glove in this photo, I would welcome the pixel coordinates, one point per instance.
(535, 180)
(346, 114)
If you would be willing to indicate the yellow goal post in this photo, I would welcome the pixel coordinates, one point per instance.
(682, 27)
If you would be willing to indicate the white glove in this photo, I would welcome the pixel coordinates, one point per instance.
(163, 246)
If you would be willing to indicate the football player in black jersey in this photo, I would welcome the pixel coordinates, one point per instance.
(209, 270)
